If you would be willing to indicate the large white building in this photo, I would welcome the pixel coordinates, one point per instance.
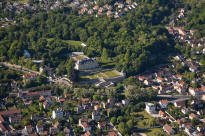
(85, 64)
(150, 108)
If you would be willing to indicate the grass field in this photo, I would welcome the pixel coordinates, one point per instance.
(70, 42)
(142, 117)
(107, 74)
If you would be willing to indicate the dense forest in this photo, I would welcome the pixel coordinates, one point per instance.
(134, 42)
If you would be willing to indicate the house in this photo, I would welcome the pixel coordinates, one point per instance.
(10, 113)
(57, 113)
(180, 30)
(120, 5)
(201, 128)
(196, 92)
(85, 126)
(181, 122)
(111, 101)
(66, 131)
(159, 79)
(96, 7)
(96, 107)
(193, 68)
(30, 76)
(46, 105)
(36, 94)
(163, 104)
(1, 119)
(112, 133)
(128, 1)
(179, 58)
(150, 108)
(15, 119)
(155, 87)
(105, 105)
(88, 133)
(39, 129)
(79, 109)
(96, 116)
(109, 13)
(125, 102)
(28, 129)
(179, 104)
(35, 117)
(90, 11)
(167, 128)
(85, 101)
(148, 82)
(2, 128)
(102, 125)
(196, 104)
(141, 78)
(192, 116)
(185, 110)
(188, 128)
(177, 76)
(53, 130)
(201, 112)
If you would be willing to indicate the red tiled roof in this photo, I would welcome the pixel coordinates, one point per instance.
(87, 133)
(180, 103)
(164, 101)
(1, 119)
(112, 133)
(85, 99)
(85, 125)
(168, 128)
(9, 112)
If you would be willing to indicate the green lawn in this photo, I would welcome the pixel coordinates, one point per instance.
(70, 42)
(107, 74)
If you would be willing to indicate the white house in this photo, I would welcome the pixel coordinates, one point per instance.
(125, 102)
(150, 108)
(57, 113)
(192, 68)
(184, 110)
(96, 116)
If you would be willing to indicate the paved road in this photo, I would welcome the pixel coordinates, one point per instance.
(63, 81)
(173, 96)
(18, 68)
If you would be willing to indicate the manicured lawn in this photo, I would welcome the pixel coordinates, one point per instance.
(107, 74)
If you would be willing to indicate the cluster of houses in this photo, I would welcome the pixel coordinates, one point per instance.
(84, 7)
(185, 124)
(97, 119)
(185, 36)
(116, 10)
(166, 81)
(163, 80)
(9, 118)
